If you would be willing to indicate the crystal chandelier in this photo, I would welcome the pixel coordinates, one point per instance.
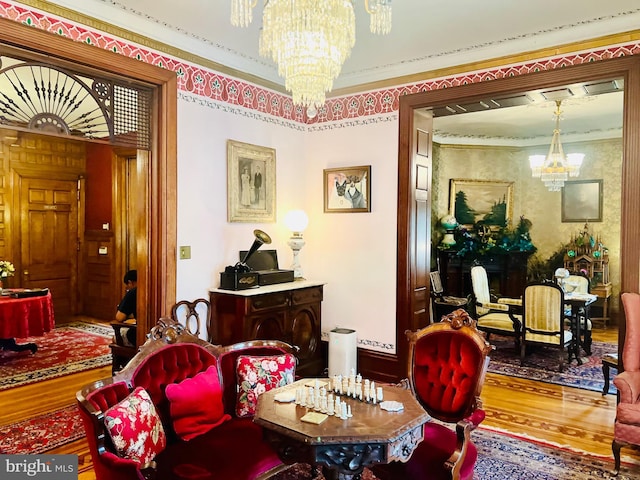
(556, 167)
(309, 40)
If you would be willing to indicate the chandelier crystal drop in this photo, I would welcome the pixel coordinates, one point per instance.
(380, 11)
(556, 167)
(242, 12)
(309, 40)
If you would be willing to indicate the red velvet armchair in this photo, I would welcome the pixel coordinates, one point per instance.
(627, 424)
(447, 365)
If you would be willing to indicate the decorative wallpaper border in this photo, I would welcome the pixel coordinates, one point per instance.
(221, 88)
(385, 347)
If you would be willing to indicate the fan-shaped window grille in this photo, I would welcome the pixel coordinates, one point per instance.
(49, 99)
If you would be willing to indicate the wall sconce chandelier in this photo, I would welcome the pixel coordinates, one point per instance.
(556, 167)
(309, 40)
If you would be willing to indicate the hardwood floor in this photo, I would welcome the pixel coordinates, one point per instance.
(575, 418)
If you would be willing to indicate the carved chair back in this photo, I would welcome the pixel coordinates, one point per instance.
(194, 315)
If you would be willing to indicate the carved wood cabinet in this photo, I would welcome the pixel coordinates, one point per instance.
(287, 311)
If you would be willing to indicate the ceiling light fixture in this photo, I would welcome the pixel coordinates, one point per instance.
(556, 167)
(309, 40)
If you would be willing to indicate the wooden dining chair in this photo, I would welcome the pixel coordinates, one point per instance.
(194, 315)
(443, 304)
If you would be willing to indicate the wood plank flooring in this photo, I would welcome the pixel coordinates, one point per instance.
(572, 417)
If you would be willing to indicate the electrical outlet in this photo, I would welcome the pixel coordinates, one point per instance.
(185, 253)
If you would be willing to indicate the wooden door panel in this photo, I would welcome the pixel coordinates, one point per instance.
(49, 232)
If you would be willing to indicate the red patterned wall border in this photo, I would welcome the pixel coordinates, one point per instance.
(207, 83)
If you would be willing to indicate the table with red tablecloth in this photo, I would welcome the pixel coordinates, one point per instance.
(24, 317)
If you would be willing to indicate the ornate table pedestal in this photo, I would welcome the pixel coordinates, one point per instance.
(343, 447)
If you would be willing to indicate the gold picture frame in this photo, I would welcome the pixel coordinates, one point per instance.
(347, 189)
(582, 201)
(251, 183)
(472, 201)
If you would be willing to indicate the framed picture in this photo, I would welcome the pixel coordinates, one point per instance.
(347, 189)
(251, 183)
(486, 201)
(582, 201)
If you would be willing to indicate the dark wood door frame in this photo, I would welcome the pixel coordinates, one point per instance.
(627, 68)
(156, 212)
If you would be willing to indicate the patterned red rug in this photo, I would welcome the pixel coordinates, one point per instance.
(42, 433)
(72, 348)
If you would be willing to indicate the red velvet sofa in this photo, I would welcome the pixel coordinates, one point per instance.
(233, 450)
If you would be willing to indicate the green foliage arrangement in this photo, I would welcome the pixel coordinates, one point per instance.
(484, 240)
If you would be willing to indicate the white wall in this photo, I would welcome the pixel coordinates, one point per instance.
(354, 253)
(203, 131)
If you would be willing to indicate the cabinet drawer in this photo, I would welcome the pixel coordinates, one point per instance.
(266, 302)
(306, 295)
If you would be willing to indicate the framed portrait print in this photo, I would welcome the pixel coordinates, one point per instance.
(582, 201)
(251, 183)
(347, 189)
(486, 201)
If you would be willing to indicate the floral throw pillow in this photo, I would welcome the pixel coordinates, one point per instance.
(135, 427)
(257, 375)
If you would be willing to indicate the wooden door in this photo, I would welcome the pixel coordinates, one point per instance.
(49, 240)
(418, 198)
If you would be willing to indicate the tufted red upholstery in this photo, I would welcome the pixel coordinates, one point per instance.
(108, 395)
(233, 450)
(445, 371)
(170, 364)
(448, 360)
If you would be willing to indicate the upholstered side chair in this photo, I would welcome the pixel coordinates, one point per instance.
(447, 366)
(626, 430)
(495, 315)
(543, 320)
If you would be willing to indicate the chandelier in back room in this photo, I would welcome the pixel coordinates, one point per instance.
(309, 40)
(556, 167)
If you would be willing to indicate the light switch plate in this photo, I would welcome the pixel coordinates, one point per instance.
(185, 253)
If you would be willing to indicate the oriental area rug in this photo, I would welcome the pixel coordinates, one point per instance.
(541, 364)
(502, 457)
(67, 349)
(42, 433)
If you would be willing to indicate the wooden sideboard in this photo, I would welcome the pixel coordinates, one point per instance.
(507, 272)
(287, 311)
